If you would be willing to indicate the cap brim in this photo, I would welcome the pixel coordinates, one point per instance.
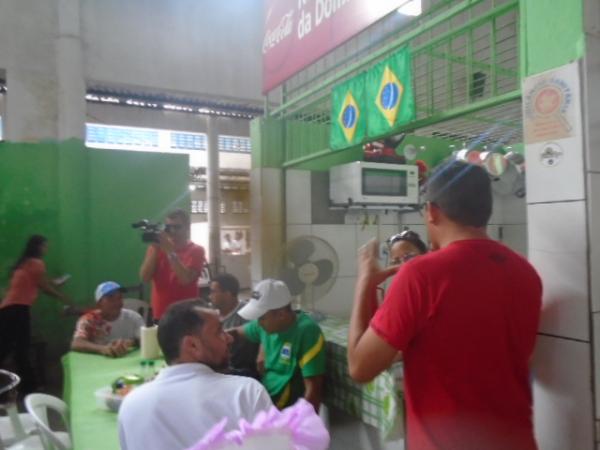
(252, 311)
(120, 289)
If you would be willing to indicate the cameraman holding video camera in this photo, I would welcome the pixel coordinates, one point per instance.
(173, 264)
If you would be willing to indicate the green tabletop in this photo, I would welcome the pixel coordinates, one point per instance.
(92, 427)
(378, 403)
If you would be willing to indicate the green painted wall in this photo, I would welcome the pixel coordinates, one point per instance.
(267, 138)
(84, 201)
(124, 188)
(551, 32)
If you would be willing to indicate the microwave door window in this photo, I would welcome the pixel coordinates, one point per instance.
(389, 183)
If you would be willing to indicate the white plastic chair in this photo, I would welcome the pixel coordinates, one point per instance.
(15, 426)
(139, 306)
(37, 406)
(15, 429)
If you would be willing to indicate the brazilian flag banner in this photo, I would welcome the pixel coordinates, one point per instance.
(390, 100)
(348, 115)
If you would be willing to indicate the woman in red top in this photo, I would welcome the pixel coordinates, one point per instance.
(27, 276)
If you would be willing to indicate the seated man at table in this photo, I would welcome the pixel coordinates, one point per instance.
(224, 290)
(293, 345)
(186, 399)
(109, 329)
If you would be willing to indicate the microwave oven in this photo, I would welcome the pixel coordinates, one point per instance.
(369, 183)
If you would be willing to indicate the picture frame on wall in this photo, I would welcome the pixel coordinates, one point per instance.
(235, 241)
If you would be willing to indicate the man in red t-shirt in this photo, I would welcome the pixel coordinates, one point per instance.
(173, 265)
(465, 318)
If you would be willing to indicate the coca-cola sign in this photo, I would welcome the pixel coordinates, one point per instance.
(298, 32)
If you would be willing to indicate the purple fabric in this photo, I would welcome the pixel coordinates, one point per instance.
(306, 428)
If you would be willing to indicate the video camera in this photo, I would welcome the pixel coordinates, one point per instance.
(150, 231)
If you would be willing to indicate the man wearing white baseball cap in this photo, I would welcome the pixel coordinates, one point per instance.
(109, 329)
(293, 345)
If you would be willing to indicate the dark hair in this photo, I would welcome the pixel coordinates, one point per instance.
(33, 249)
(408, 236)
(179, 214)
(462, 191)
(228, 283)
(181, 319)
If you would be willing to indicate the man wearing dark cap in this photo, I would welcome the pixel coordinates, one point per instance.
(465, 318)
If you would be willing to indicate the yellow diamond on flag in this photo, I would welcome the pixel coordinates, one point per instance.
(348, 118)
(389, 96)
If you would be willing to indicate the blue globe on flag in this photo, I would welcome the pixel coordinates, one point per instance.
(390, 94)
(349, 116)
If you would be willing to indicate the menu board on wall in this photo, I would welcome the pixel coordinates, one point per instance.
(298, 32)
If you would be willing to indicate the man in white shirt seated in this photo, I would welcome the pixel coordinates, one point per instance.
(190, 396)
(109, 329)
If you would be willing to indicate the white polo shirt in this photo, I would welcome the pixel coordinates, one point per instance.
(183, 403)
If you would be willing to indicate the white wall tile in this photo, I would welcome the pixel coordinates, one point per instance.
(557, 227)
(563, 415)
(389, 218)
(493, 231)
(563, 181)
(294, 231)
(365, 233)
(565, 310)
(515, 237)
(272, 198)
(497, 210)
(558, 250)
(343, 239)
(298, 197)
(594, 229)
(592, 99)
(514, 210)
(413, 218)
(596, 359)
(338, 301)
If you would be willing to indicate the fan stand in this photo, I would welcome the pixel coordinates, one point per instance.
(308, 302)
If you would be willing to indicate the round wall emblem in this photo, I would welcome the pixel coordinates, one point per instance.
(551, 154)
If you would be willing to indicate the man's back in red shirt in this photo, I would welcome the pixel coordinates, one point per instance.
(465, 318)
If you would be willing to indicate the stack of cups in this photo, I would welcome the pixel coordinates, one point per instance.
(149, 342)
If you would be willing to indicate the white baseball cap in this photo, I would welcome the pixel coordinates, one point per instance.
(269, 294)
(108, 287)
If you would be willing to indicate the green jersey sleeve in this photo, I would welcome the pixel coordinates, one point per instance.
(312, 359)
(252, 331)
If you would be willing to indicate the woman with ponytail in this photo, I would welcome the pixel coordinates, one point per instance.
(27, 277)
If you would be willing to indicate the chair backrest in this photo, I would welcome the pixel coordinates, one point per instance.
(38, 405)
(139, 306)
(135, 291)
(8, 396)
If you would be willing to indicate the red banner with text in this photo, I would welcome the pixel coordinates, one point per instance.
(298, 32)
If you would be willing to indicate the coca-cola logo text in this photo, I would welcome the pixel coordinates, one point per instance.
(279, 33)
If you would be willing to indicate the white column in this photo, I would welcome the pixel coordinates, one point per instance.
(558, 248)
(70, 72)
(213, 195)
(44, 71)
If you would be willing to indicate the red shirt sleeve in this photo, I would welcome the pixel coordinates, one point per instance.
(84, 328)
(405, 309)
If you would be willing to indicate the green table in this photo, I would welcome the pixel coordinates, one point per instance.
(379, 403)
(92, 427)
